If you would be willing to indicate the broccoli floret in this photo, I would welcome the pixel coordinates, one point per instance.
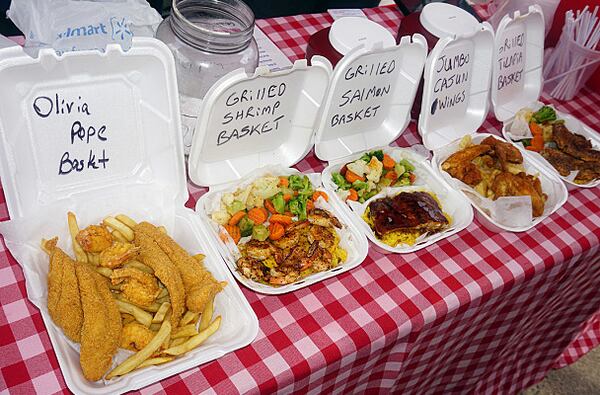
(544, 114)
(340, 181)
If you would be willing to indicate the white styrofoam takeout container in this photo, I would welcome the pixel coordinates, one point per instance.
(551, 185)
(226, 166)
(130, 100)
(526, 61)
(451, 201)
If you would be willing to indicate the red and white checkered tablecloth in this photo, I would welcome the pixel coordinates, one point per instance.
(477, 312)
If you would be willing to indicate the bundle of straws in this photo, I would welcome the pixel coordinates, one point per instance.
(575, 57)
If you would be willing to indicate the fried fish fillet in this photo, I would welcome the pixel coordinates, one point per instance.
(64, 304)
(200, 285)
(166, 271)
(101, 330)
(522, 184)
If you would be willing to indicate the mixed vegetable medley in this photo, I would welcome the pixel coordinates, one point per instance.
(278, 201)
(539, 124)
(367, 176)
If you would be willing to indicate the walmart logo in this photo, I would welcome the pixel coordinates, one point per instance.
(119, 30)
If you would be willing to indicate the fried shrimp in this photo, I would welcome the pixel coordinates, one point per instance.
(137, 286)
(64, 304)
(200, 285)
(153, 256)
(135, 336)
(94, 238)
(117, 254)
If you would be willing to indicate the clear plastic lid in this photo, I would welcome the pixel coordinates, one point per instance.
(76, 125)
(518, 59)
(249, 121)
(457, 82)
(370, 96)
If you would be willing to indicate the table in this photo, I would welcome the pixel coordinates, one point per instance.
(477, 312)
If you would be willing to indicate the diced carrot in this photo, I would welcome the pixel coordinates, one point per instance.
(269, 206)
(392, 175)
(536, 129)
(388, 162)
(234, 232)
(287, 197)
(351, 177)
(282, 219)
(310, 205)
(235, 218)
(257, 215)
(316, 195)
(531, 148)
(537, 142)
(353, 194)
(289, 213)
(283, 181)
(276, 231)
(412, 177)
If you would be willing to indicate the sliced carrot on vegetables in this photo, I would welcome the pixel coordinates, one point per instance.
(276, 231)
(283, 181)
(412, 177)
(388, 162)
(351, 177)
(310, 205)
(235, 218)
(269, 206)
(280, 218)
(287, 197)
(234, 232)
(536, 129)
(537, 143)
(289, 213)
(316, 195)
(257, 215)
(392, 175)
(353, 194)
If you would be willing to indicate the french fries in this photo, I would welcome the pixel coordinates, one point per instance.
(80, 254)
(140, 315)
(127, 318)
(185, 331)
(139, 265)
(195, 341)
(178, 341)
(155, 361)
(119, 236)
(136, 359)
(115, 224)
(106, 272)
(206, 316)
(188, 317)
(161, 313)
(126, 220)
(163, 293)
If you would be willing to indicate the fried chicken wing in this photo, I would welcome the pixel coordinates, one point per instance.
(504, 151)
(101, 330)
(64, 304)
(200, 285)
(166, 271)
(459, 165)
(507, 184)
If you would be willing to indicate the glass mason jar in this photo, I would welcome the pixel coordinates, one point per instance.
(208, 38)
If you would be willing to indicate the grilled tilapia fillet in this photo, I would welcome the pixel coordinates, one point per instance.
(407, 211)
(574, 144)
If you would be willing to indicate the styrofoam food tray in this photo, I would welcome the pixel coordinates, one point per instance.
(551, 186)
(239, 324)
(575, 126)
(452, 202)
(351, 238)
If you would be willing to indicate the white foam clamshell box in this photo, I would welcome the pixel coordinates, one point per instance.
(244, 132)
(340, 144)
(517, 81)
(130, 101)
(511, 214)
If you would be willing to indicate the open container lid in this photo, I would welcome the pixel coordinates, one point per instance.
(74, 125)
(518, 59)
(250, 121)
(457, 81)
(370, 96)
(350, 32)
(447, 20)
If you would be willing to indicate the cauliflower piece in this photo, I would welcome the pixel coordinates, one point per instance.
(343, 194)
(220, 216)
(371, 185)
(242, 194)
(254, 200)
(265, 187)
(358, 167)
(227, 199)
(375, 170)
(520, 125)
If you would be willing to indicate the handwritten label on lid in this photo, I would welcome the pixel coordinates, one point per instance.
(82, 136)
(362, 94)
(451, 83)
(250, 117)
(510, 63)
